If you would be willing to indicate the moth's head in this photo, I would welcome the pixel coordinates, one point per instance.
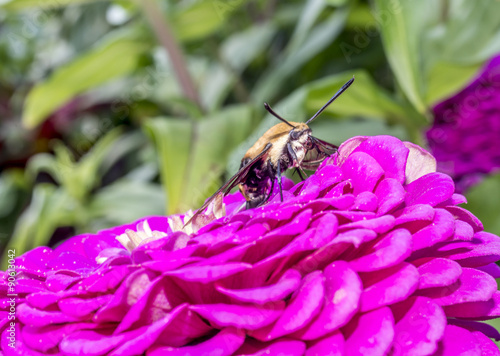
(300, 133)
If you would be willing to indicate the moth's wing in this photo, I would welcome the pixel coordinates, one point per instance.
(325, 145)
(233, 181)
(318, 153)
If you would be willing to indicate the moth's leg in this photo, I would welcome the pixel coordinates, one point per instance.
(302, 171)
(278, 175)
(268, 195)
(300, 174)
(292, 154)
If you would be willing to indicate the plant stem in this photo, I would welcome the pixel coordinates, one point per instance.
(163, 32)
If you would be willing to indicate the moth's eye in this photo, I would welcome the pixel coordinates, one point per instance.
(294, 135)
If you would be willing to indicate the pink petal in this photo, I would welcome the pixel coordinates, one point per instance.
(94, 343)
(370, 334)
(225, 343)
(390, 194)
(471, 325)
(297, 226)
(132, 288)
(432, 189)
(78, 307)
(42, 300)
(250, 317)
(29, 286)
(492, 269)
(324, 256)
(106, 280)
(207, 274)
(157, 302)
(463, 231)
(363, 171)
(386, 252)
(34, 317)
(186, 327)
(20, 348)
(458, 341)
(390, 153)
(482, 250)
(332, 345)
(354, 216)
(70, 260)
(169, 265)
(240, 237)
(312, 239)
(46, 338)
(441, 229)
(472, 286)
(366, 201)
(288, 283)
(346, 148)
(343, 202)
(438, 272)
(340, 189)
(488, 309)
(253, 347)
(488, 347)
(36, 259)
(388, 286)
(456, 199)
(142, 342)
(420, 324)
(419, 163)
(466, 216)
(342, 293)
(380, 225)
(220, 234)
(412, 213)
(303, 307)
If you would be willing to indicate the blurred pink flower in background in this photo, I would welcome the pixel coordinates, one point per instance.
(370, 255)
(465, 136)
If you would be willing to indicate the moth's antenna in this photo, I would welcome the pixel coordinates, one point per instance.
(271, 111)
(337, 94)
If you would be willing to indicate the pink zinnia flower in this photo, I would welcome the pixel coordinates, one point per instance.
(465, 136)
(369, 256)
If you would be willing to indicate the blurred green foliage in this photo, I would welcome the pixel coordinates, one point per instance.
(101, 123)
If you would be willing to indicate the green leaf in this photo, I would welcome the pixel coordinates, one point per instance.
(49, 208)
(240, 49)
(125, 201)
(363, 98)
(193, 154)
(320, 37)
(236, 53)
(484, 202)
(23, 4)
(468, 33)
(337, 2)
(339, 131)
(308, 17)
(446, 79)
(77, 178)
(496, 324)
(201, 18)
(11, 182)
(112, 59)
(401, 25)
(435, 47)
(172, 139)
